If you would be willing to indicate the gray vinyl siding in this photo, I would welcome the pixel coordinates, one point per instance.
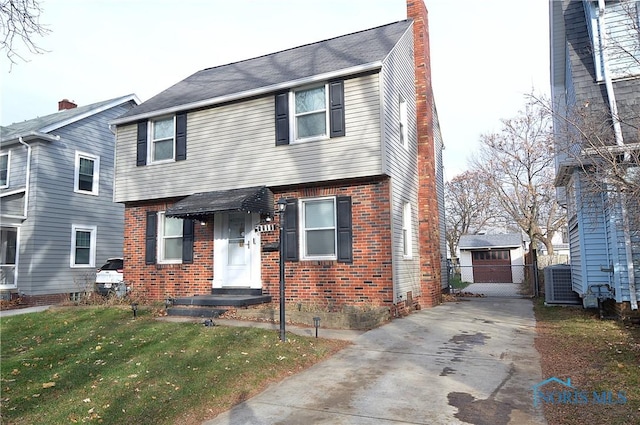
(398, 78)
(45, 239)
(576, 257)
(233, 146)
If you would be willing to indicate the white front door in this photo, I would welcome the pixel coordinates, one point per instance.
(236, 251)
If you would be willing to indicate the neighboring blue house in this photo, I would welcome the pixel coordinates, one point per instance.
(595, 77)
(58, 218)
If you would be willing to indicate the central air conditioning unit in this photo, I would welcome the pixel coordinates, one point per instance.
(557, 285)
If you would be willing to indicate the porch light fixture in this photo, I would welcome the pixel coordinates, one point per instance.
(282, 206)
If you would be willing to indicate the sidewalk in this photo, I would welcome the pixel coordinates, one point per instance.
(471, 361)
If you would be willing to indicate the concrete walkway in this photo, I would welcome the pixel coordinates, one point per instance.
(468, 362)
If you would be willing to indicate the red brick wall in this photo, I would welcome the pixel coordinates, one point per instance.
(158, 281)
(429, 231)
(366, 281)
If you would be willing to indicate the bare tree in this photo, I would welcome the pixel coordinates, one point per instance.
(469, 208)
(20, 21)
(517, 165)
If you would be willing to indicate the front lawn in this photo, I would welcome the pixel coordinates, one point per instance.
(99, 364)
(601, 356)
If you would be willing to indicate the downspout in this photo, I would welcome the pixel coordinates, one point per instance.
(620, 142)
(613, 107)
(27, 177)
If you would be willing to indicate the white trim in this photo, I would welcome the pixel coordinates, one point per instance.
(251, 93)
(303, 230)
(161, 240)
(13, 192)
(293, 121)
(93, 230)
(95, 184)
(8, 155)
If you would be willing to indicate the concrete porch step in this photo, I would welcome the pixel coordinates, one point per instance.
(225, 300)
(195, 312)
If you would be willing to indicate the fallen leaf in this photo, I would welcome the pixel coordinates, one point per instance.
(48, 384)
(86, 400)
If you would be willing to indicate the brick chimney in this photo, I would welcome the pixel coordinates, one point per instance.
(428, 217)
(66, 104)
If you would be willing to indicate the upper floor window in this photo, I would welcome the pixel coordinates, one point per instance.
(162, 140)
(403, 122)
(310, 113)
(311, 118)
(83, 246)
(4, 169)
(87, 172)
(318, 228)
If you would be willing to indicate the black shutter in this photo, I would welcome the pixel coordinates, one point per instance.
(345, 233)
(181, 136)
(291, 231)
(282, 118)
(187, 241)
(336, 99)
(150, 237)
(142, 144)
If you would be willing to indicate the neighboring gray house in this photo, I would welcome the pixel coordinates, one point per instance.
(595, 81)
(492, 258)
(343, 130)
(59, 221)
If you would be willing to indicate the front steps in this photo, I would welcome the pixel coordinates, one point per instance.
(217, 303)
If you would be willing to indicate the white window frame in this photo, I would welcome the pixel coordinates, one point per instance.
(407, 234)
(161, 240)
(293, 124)
(93, 230)
(303, 229)
(95, 187)
(151, 141)
(403, 122)
(8, 155)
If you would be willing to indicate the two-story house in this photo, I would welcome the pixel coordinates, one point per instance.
(58, 218)
(595, 87)
(341, 130)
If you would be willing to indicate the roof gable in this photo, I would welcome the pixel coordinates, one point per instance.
(41, 126)
(274, 71)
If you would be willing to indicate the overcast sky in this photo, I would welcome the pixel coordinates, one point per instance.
(485, 54)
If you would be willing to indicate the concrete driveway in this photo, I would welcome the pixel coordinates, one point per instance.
(469, 362)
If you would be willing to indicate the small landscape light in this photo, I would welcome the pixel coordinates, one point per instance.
(316, 323)
(134, 307)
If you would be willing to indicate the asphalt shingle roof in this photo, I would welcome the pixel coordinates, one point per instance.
(489, 241)
(339, 53)
(37, 125)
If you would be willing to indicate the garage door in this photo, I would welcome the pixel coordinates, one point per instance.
(492, 266)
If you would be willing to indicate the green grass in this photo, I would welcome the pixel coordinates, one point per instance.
(99, 364)
(598, 355)
(457, 283)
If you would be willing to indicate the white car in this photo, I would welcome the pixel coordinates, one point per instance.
(109, 278)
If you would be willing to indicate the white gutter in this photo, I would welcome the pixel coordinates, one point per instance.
(27, 177)
(620, 142)
(607, 78)
(250, 93)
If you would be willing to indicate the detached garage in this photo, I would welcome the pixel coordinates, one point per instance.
(492, 258)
